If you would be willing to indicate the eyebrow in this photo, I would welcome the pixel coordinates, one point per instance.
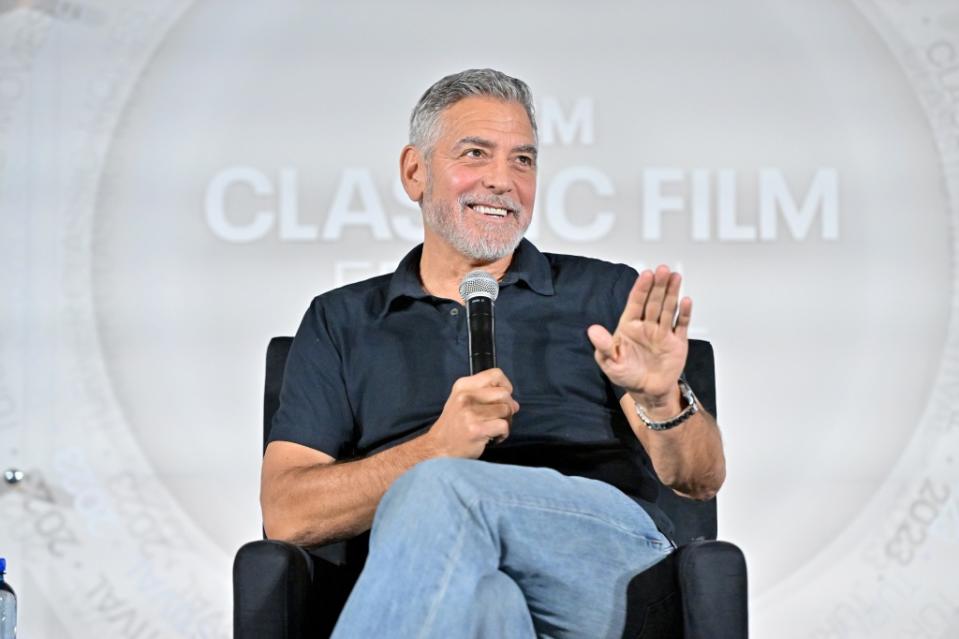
(486, 144)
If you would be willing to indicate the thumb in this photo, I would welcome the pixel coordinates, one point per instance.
(602, 341)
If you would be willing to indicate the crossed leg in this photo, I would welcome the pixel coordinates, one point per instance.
(464, 548)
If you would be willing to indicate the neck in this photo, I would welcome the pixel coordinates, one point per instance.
(442, 268)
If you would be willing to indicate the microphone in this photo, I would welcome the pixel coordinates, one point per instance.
(479, 290)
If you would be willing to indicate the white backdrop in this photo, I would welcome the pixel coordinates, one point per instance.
(178, 179)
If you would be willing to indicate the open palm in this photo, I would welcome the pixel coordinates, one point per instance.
(647, 352)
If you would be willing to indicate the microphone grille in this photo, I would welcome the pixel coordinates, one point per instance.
(479, 283)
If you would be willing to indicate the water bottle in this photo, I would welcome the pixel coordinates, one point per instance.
(8, 606)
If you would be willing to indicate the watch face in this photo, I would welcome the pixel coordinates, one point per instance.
(688, 395)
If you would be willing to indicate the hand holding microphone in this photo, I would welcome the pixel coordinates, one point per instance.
(480, 407)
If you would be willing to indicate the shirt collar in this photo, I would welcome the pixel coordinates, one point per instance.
(528, 265)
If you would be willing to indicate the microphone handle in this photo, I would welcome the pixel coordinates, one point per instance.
(479, 312)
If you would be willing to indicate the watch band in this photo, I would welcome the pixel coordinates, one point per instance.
(692, 407)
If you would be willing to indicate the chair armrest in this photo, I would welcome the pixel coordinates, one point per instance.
(712, 578)
(697, 592)
(282, 591)
(272, 588)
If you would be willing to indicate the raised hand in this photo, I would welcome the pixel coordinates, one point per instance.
(647, 352)
(479, 410)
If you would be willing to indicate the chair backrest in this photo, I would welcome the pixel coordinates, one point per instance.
(692, 519)
(276, 353)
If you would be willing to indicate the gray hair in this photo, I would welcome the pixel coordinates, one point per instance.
(424, 121)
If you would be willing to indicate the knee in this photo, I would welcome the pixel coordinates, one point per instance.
(430, 488)
(436, 477)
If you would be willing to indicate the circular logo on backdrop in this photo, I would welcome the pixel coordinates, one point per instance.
(786, 168)
(245, 182)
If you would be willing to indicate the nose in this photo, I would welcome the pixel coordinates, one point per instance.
(497, 178)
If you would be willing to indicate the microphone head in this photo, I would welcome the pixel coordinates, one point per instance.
(479, 283)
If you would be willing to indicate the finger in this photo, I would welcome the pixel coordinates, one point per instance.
(477, 402)
(685, 315)
(489, 377)
(602, 341)
(490, 395)
(496, 429)
(671, 300)
(484, 412)
(654, 303)
(636, 301)
(498, 397)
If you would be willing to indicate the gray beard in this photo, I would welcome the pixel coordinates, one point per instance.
(440, 218)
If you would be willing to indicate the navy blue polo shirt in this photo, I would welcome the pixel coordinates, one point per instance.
(373, 363)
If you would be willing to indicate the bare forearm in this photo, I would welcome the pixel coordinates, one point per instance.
(317, 504)
(689, 458)
(309, 499)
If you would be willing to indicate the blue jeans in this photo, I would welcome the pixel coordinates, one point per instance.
(463, 548)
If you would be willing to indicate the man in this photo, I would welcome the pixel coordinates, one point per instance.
(379, 416)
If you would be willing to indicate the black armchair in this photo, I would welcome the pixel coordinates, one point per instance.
(284, 591)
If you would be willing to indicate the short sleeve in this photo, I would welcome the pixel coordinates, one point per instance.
(619, 293)
(314, 406)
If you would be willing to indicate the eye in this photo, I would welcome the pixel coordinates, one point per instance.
(473, 153)
(526, 160)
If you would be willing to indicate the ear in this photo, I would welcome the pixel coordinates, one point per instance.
(413, 172)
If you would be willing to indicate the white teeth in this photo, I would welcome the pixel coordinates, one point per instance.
(489, 210)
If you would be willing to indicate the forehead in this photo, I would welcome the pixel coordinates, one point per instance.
(486, 117)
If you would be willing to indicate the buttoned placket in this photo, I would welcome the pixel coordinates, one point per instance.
(457, 315)
(453, 317)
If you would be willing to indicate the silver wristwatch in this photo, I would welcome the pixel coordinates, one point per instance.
(692, 407)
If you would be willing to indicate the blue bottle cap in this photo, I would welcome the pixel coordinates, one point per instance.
(3, 565)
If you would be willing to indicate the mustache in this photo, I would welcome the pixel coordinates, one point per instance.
(498, 201)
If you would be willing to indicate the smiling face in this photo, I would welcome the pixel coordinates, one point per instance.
(480, 178)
